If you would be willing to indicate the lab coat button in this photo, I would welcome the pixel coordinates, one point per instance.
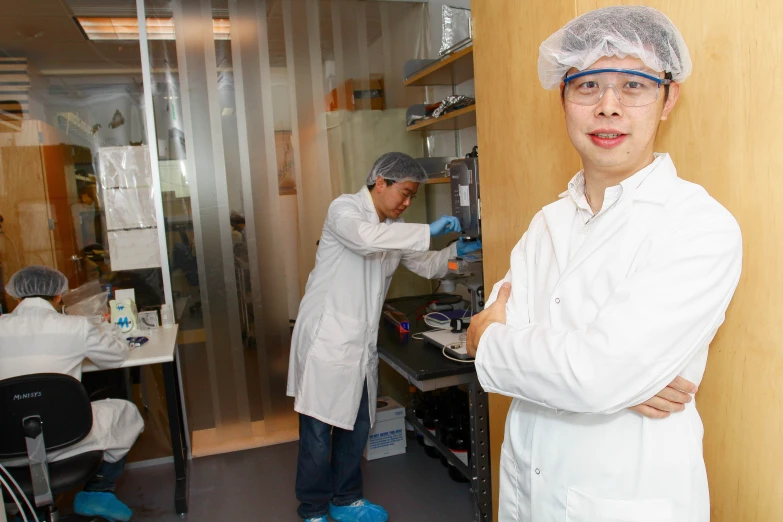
(557, 300)
(538, 471)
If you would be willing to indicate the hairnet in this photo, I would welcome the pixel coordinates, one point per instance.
(396, 166)
(621, 31)
(37, 280)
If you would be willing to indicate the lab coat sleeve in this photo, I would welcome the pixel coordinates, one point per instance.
(641, 339)
(352, 229)
(103, 349)
(431, 265)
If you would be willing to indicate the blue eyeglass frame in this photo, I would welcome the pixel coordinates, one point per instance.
(659, 81)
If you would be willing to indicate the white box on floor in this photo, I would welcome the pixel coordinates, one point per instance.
(387, 436)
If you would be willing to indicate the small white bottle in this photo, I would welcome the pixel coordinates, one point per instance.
(166, 316)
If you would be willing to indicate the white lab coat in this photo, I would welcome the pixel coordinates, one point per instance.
(587, 338)
(333, 348)
(37, 339)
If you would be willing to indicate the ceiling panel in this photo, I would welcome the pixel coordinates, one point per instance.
(33, 8)
(44, 32)
(18, 31)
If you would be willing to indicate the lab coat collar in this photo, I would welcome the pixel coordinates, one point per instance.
(369, 205)
(655, 188)
(35, 302)
(652, 184)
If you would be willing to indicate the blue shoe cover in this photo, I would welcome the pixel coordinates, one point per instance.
(359, 511)
(317, 519)
(94, 503)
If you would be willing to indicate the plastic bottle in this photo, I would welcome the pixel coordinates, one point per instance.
(166, 316)
(459, 444)
(413, 401)
(431, 424)
(420, 412)
(448, 419)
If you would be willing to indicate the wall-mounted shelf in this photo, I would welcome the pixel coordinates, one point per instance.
(436, 181)
(452, 69)
(455, 120)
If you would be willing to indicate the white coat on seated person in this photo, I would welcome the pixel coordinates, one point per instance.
(35, 338)
(334, 344)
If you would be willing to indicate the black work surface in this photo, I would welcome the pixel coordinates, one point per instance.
(419, 359)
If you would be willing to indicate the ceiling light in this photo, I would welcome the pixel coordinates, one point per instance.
(117, 29)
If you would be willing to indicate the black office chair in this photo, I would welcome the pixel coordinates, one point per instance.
(38, 414)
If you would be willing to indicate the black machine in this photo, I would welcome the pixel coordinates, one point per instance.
(465, 193)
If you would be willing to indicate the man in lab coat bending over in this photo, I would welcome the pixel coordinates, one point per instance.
(333, 371)
(35, 338)
(612, 298)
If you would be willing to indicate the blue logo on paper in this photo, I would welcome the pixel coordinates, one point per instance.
(124, 322)
(120, 307)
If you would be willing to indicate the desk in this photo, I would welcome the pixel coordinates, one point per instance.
(425, 367)
(161, 349)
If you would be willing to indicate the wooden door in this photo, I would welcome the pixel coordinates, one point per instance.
(58, 174)
(725, 135)
(26, 238)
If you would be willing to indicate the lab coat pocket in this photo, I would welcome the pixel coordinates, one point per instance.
(508, 510)
(582, 507)
(340, 340)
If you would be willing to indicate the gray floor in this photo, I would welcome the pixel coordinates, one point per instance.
(258, 485)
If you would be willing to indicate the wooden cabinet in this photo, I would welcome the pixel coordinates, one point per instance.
(35, 177)
(726, 139)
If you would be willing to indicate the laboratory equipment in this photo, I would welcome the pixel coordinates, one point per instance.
(467, 270)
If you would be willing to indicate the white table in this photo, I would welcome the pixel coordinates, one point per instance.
(161, 349)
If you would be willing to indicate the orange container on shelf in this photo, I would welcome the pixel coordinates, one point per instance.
(360, 95)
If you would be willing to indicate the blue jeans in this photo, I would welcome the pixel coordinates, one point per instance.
(328, 468)
(107, 475)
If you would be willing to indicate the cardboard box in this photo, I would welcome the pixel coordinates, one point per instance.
(387, 436)
(364, 94)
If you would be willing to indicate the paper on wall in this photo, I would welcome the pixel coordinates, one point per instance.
(124, 167)
(134, 249)
(129, 208)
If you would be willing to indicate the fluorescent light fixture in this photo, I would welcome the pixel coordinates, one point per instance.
(119, 29)
(227, 111)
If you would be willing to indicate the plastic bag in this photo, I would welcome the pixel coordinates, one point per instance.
(452, 103)
(457, 28)
(87, 300)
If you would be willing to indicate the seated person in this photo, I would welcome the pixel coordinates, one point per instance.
(35, 338)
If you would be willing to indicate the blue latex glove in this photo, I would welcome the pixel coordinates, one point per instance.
(444, 225)
(466, 247)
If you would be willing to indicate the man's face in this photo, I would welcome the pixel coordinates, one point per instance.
(392, 200)
(611, 137)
